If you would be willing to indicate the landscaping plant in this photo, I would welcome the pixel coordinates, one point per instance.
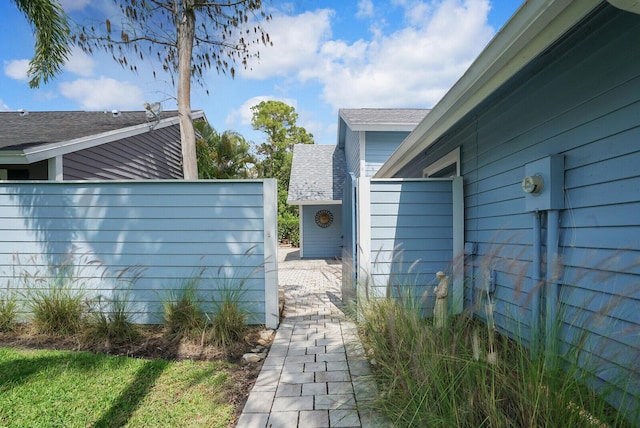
(110, 320)
(228, 322)
(57, 301)
(183, 315)
(467, 374)
(8, 313)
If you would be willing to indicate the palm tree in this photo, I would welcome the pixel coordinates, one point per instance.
(225, 155)
(51, 31)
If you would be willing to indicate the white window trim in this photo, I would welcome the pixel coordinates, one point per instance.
(449, 159)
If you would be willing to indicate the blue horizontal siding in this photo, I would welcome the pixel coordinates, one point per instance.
(379, 146)
(321, 242)
(163, 233)
(582, 100)
(411, 237)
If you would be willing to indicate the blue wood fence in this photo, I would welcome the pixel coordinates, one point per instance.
(144, 238)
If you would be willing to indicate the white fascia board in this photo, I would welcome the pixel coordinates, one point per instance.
(13, 157)
(377, 126)
(47, 151)
(383, 127)
(300, 203)
(533, 29)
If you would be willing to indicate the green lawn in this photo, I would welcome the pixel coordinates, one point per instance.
(80, 389)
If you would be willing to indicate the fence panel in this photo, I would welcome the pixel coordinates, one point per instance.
(145, 237)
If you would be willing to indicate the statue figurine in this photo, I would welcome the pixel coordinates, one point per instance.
(441, 291)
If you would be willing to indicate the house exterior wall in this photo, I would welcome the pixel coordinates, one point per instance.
(352, 151)
(378, 148)
(321, 242)
(581, 100)
(167, 232)
(155, 154)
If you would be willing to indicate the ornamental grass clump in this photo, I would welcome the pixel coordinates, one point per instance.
(110, 320)
(228, 321)
(110, 316)
(182, 305)
(57, 301)
(8, 313)
(469, 374)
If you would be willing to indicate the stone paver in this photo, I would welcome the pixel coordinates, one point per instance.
(316, 373)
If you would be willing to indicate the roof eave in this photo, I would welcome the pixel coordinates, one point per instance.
(47, 151)
(534, 27)
(384, 127)
(16, 157)
(375, 126)
(315, 202)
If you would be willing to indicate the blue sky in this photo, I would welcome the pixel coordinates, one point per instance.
(327, 54)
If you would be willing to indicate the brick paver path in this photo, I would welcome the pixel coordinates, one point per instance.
(316, 374)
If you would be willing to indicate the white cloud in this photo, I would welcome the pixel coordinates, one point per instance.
(296, 40)
(365, 9)
(80, 63)
(17, 69)
(3, 106)
(103, 93)
(69, 5)
(413, 66)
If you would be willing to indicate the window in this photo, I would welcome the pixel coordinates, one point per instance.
(447, 166)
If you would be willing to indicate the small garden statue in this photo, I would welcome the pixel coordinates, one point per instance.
(441, 292)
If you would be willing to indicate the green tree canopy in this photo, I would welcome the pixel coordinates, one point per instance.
(225, 155)
(278, 121)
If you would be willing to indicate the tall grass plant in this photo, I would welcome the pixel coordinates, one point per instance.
(467, 374)
(57, 300)
(228, 320)
(8, 313)
(182, 305)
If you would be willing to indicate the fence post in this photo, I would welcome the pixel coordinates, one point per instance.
(270, 207)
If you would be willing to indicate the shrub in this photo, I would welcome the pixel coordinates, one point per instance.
(289, 229)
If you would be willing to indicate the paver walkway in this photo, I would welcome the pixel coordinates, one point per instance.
(316, 373)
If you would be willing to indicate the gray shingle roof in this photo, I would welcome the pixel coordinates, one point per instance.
(44, 127)
(381, 116)
(318, 173)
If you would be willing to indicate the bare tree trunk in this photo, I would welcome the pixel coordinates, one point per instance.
(186, 22)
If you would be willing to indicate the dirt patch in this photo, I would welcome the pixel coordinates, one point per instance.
(153, 343)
